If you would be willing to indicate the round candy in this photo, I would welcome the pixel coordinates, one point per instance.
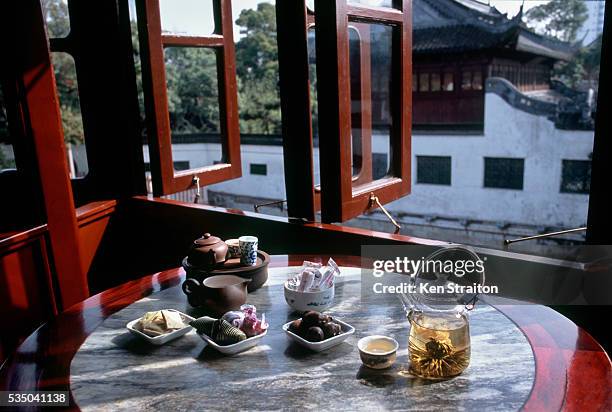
(315, 334)
(295, 326)
(311, 318)
(331, 329)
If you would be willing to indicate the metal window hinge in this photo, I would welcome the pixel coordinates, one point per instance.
(374, 201)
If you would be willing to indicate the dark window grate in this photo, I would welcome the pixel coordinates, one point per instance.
(434, 170)
(504, 173)
(576, 176)
(259, 169)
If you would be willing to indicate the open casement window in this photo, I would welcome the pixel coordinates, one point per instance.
(363, 57)
(353, 124)
(154, 47)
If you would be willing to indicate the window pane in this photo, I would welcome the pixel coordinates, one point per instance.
(355, 69)
(504, 173)
(466, 80)
(477, 80)
(193, 105)
(70, 108)
(434, 170)
(7, 157)
(374, 3)
(187, 17)
(449, 83)
(435, 82)
(424, 82)
(377, 39)
(314, 110)
(415, 82)
(380, 165)
(576, 176)
(57, 18)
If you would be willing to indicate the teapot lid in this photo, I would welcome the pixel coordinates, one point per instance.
(206, 240)
(447, 280)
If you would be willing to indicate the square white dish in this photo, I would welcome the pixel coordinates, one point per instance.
(235, 347)
(347, 330)
(166, 337)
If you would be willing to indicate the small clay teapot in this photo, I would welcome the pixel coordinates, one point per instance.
(218, 294)
(207, 252)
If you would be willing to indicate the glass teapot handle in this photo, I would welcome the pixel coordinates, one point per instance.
(469, 301)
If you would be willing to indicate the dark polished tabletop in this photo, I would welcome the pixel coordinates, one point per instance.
(564, 368)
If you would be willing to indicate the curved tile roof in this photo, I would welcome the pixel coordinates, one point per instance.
(467, 25)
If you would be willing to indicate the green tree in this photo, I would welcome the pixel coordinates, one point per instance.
(561, 18)
(584, 65)
(193, 97)
(257, 71)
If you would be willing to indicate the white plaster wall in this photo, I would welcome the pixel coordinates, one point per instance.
(508, 133)
(204, 154)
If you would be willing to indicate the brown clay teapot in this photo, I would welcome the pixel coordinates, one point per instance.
(207, 252)
(218, 294)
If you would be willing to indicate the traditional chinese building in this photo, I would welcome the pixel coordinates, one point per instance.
(457, 45)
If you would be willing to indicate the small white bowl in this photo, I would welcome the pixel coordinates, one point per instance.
(235, 347)
(305, 301)
(347, 330)
(166, 337)
(381, 359)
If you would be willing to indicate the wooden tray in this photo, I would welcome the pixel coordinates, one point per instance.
(258, 273)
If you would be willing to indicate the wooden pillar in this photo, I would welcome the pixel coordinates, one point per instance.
(28, 71)
(292, 26)
(101, 45)
(599, 223)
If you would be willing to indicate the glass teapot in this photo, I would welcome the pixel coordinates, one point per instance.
(442, 292)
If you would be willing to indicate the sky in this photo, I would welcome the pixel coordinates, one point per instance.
(195, 16)
(513, 6)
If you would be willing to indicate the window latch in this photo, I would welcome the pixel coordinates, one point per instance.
(196, 182)
(544, 235)
(374, 201)
(276, 202)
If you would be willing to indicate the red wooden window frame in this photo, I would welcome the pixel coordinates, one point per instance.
(339, 201)
(152, 42)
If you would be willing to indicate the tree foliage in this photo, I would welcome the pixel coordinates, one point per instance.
(257, 70)
(191, 75)
(193, 97)
(584, 66)
(561, 18)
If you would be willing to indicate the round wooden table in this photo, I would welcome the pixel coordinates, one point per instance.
(572, 372)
